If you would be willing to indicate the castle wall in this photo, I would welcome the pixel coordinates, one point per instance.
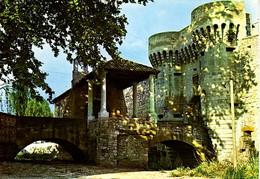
(197, 64)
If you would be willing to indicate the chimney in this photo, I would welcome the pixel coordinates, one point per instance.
(75, 73)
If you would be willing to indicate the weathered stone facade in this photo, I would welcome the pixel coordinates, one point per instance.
(120, 141)
(191, 118)
(197, 65)
(17, 132)
(143, 99)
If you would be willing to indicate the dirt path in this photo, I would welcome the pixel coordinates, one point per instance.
(72, 170)
(57, 170)
(133, 175)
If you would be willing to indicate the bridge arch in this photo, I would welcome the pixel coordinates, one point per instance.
(168, 136)
(72, 149)
(171, 154)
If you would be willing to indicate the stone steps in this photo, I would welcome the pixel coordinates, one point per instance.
(223, 132)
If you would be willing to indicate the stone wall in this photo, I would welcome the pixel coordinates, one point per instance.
(17, 132)
(202, 58)
(7, 136)
(248, 118)
(120, 141)
(142, 99)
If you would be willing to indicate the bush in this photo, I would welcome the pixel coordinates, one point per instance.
(38, 154)
(214, 169)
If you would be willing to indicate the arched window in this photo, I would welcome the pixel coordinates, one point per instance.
(215, 26)
(202, 32)
(237, 30)
(159, 57)
(164, 54)
(223, 25)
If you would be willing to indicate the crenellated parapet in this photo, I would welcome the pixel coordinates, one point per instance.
(197, 64)
(212, 24)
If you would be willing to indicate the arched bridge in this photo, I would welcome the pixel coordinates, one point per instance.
(18, 132)
(177, 144)
(109, 141)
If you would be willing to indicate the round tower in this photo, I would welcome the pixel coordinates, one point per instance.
(220, 21)
(164, 57)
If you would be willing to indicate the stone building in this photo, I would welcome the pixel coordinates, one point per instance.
(186, 108)
(196, 66)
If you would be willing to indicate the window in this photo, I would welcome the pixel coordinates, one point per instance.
(177, 115)
(195, 81)
(230, 49)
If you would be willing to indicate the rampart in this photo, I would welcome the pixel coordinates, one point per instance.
(197, 64)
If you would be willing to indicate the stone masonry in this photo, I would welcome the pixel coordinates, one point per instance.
(190, 120)
(197, 65)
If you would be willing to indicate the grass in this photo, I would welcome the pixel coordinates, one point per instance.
(38, 154)
(214, 169)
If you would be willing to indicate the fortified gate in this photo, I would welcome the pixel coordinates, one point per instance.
(177, 113)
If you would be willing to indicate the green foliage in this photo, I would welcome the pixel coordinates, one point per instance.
(38, 154)
(214, 169)
(79, 27)
(22, 104)
(38, 108)
(18, 101)
(231, 35)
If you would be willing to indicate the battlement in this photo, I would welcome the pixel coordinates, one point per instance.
(212, 23)
(196, 66)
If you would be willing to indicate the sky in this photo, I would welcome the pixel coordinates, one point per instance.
(144, 21)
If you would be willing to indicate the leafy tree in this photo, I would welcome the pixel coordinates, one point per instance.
(38, 108)
(79, 27)
(22, 104)
(18, 101)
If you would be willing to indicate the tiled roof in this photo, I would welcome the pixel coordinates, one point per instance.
(126, 65)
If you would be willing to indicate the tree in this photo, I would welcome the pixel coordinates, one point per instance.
(22, 104)
(18, 101)
(38, 108)
(79, 27)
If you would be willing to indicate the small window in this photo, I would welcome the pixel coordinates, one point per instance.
(177, 116)
(177, 74)
(160, 116)
(230, 49)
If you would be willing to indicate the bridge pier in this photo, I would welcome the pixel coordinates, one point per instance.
(7, 151)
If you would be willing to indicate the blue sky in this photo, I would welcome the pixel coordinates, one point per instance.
(144, 21)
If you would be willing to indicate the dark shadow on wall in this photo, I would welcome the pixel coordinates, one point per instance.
(172, 154)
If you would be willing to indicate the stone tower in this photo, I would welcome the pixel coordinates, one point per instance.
(197, 64)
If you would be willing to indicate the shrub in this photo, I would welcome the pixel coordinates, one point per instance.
(225, 169)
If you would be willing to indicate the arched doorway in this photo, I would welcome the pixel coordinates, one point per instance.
(172, 154)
